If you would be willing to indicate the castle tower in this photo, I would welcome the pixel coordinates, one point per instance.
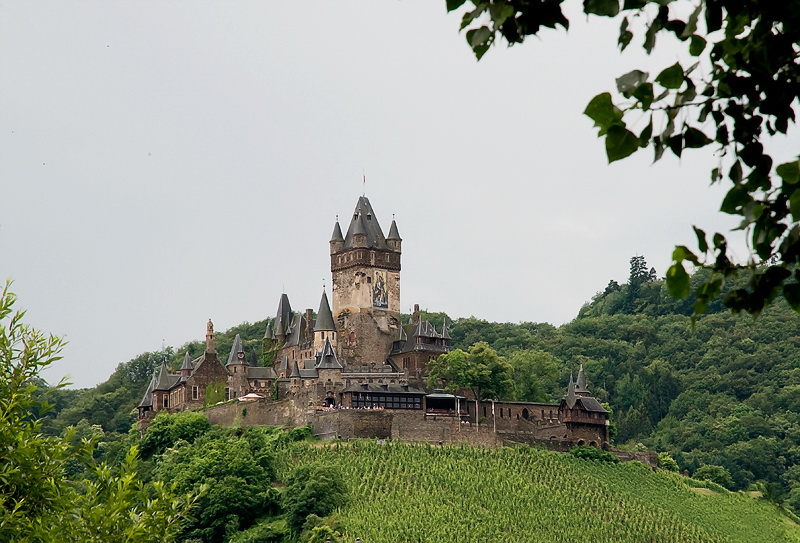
(237, 369)
(324, 327)
(365, 267)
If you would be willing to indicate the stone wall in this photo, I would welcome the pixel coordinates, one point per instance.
(257, 413)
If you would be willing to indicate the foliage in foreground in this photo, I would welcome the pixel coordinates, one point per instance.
(403, 492)
(41, 499)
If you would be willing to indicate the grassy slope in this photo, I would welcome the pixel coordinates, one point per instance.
(408, 493)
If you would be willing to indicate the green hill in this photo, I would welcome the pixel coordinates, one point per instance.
(406, 493)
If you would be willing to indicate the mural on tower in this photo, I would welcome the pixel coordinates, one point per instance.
(380, 295)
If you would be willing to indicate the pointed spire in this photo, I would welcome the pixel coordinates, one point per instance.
(186, 368)
(147, 399)
(364, 222)
(237, 352)
(284, 365)
(328, 359)
(324, 322)
(580, 383)
(337, 231)
(445, 332)
(210, 345)
(393, 233)
(163, 378)
(283, 318)
(571, 398)
(268, 333)
(295, 370)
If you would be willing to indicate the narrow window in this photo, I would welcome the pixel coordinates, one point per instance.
(195, 393)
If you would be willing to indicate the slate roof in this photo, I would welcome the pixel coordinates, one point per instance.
(295, 370)
(283, 317)
(258, 372)
(166, 381)
(233, 357)
(364, 221)
(408, 333)
(187, 362)
(327, 359)
(580, 383)
(393, 233)
(591, 404)
(571, 398)
(147, 399)
(324, 322)
(308, 373)
(284, 365)
(337, 232)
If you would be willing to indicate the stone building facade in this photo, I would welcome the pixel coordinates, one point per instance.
(357, 354)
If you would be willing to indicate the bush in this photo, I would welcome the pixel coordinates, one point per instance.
(591, 453)
(312, 490)
(665, 461)
(715, 474)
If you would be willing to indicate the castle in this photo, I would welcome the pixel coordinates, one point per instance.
(357, 355)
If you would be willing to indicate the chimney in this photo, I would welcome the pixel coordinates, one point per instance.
(415, 318)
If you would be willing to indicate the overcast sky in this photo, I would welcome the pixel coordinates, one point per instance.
(162, 163)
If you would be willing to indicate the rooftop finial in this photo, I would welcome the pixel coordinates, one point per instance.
(365, 183)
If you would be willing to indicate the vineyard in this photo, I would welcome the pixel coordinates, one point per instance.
(416, 493)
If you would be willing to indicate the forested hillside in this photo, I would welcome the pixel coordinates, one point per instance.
(724, 392)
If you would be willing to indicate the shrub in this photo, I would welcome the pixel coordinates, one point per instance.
(592, 453)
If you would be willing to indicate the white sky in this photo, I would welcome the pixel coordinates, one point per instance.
(162, 163)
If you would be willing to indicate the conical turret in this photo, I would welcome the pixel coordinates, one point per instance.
(186, 368)
(393, 240)
(571, 398)
(236, 355)
(324, 322)
(337, 240)
(580, 384)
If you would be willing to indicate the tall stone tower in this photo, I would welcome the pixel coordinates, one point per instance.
(365, 267)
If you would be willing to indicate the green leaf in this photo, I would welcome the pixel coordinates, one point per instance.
(625, 35)
(606, 8)
(792, 294)
(620, 143)
(789, 172)
(603, 112)
(735, 172)
(697, 45)
(691, 24)
(678, 281)
(644, 137)
(644, 93)
(794, 205)
(736, 198)
(682, 253)
(628, 83)
(470, 16)
(672, 77)
(454, 4)
(702, 244)
(694, 138)
(675, 144)
(479, 39)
